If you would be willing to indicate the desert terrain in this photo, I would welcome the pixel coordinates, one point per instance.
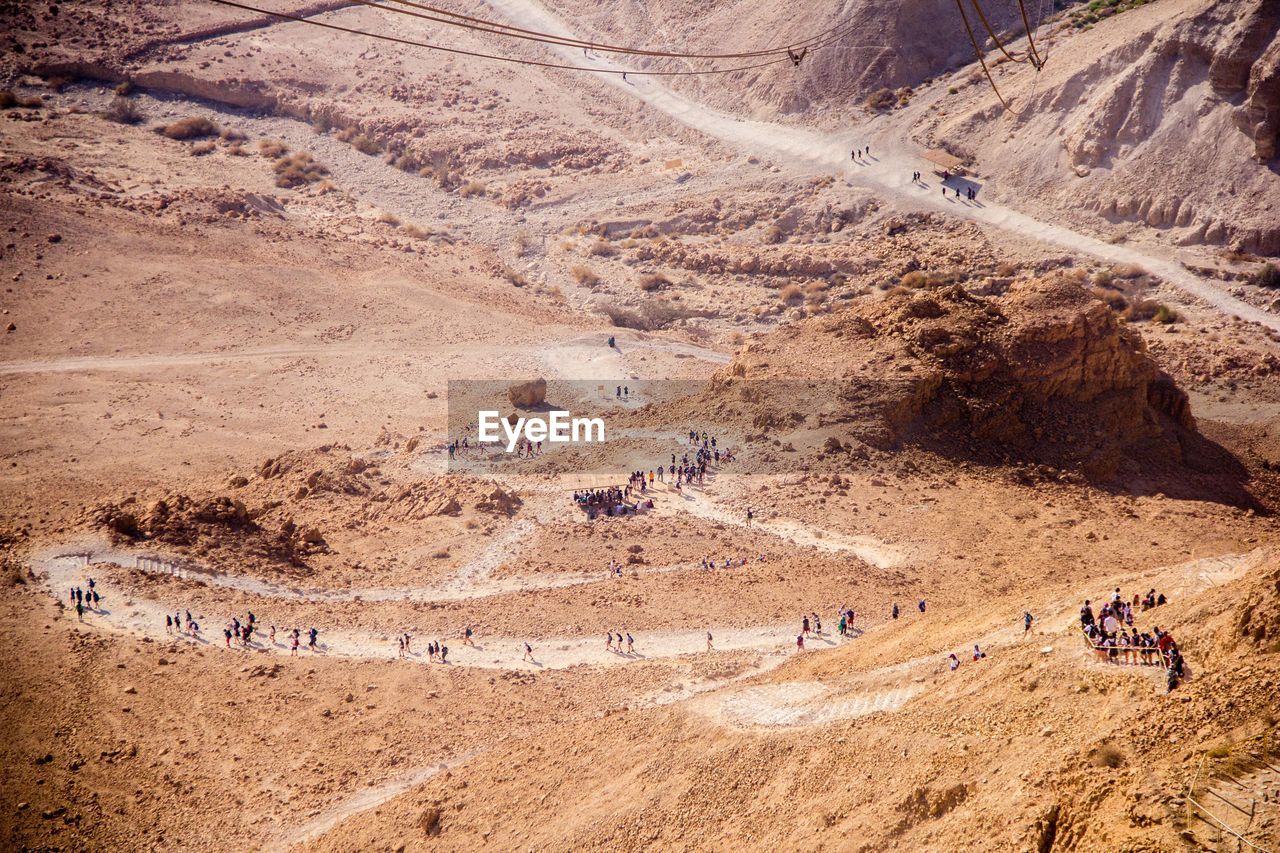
(255, 260)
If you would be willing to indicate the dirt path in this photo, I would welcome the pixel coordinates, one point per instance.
(362, 801)
(888, 171)
(135, 616)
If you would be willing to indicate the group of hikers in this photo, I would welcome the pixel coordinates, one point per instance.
(609, 501)
(436, 650)
(80, 599)
(1113, 637)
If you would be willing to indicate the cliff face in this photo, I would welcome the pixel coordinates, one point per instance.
(1044, 374)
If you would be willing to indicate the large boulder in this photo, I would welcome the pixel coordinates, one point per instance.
(526, 395)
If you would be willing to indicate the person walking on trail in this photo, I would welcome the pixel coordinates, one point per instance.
(978, 654)
(528, 652)
(921, 605)
(80, 612)
(953, 662)
(401, 641)
(804, 626)
(444, 653)
(750, 516)
(799, 642)
(608, 642)
(168, 624)
(710, 648)
(466, 637)
(226, 632)
(1026, 622)
(894, 611)
(311, 643)
(631, 644)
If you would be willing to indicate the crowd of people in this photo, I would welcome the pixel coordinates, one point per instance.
(610, 501)
(1114, 638)
(82, 599)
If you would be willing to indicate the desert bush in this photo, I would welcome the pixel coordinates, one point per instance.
(653, 281)
(1108, 755)
(235, 149)
(123, 111)
(472, 188)
(325, 186)
(1166, 315)
(882, 99)
(192, 127)
(388, 218)
(791, 293)
(1268, 276)
(443, 168)
(365, 144)
(1128, 271)
(648, 317)
(1004, 269)
(1141, 309)
(10, 100)
(202, 148)
(406, 163)
(514, 276)
(952, 90)
(774, 234)
(346, 134)
(298, 170)
(272, 148)
(123, 89)
(1113, 298)
(417, 233)
(230, 134)
(914, 279)
(1103, 278)
(602, 249)
(584, 276)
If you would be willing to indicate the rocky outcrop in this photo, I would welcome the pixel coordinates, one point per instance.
(527, 395)
(1044, 374)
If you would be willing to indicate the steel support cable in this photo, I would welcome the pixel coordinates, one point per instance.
(978, 52)
(991, 32)
(1031, 42)
(479, 55)
(498, 28)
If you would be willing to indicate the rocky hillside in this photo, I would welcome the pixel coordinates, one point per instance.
(1165, 116)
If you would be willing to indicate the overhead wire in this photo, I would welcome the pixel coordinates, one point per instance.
(511, 31)
(991, 32)
(981, 61)
(1031, 41)
(511, 59)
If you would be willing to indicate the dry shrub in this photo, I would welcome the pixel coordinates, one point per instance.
(417, 233)
(1005, 269)
(443, 168)
(649, 317)
(388, 218)
(791, 293)
(514, 276)
(521, 243)
(654, 281)
(1104, 278)
(914, 280)
(365, 144)
(192, 127)
(1141, 309)
(472, 188)
(774, 234)
(1128, 271)
(346, 134)
(237, 150)
(406, 163)
(1268, 276)
(298, 170)
(1166, 315)
(1114, 299)
(9, 100)
(124, 89)
(882, 99)
(584, 276)
(272, 148)
(57, 84)
(230, 134)
(1108, 755)
(202, 148)
(602, 249)
(123, 111)
(325, 186)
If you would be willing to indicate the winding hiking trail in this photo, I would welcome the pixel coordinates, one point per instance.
(885, 172)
